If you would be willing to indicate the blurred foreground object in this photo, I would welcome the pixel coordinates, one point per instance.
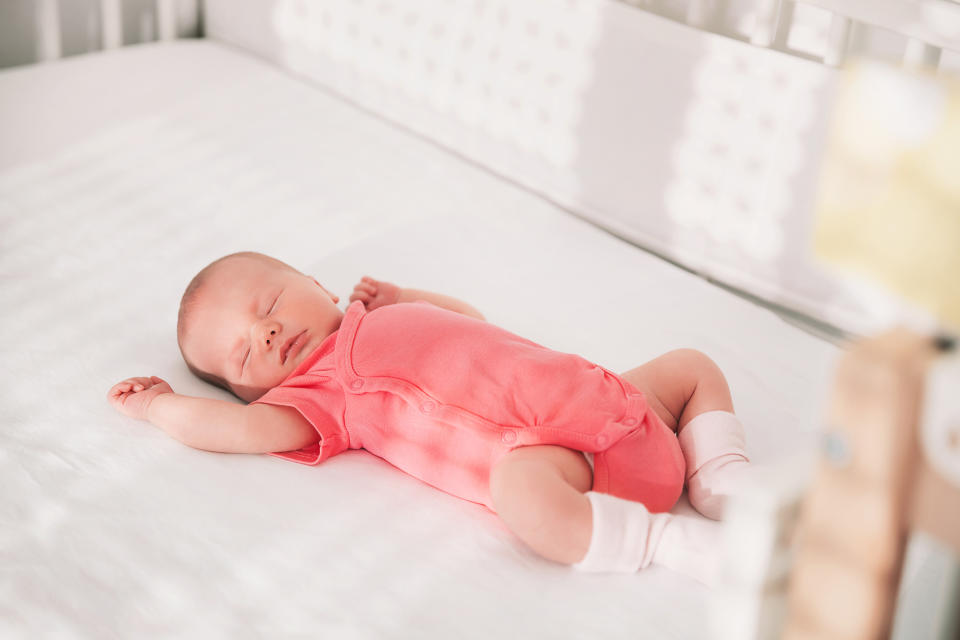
(889, 200)
(889, 209)
(760, 525)
(855, 519)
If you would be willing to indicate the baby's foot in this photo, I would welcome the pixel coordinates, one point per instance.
(713, 448)
(709, 488)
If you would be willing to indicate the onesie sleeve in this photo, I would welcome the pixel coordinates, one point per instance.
(321, 410)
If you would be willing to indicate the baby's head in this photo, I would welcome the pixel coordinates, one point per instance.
(247, 320)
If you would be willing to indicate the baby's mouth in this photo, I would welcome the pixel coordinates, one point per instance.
(291, 344)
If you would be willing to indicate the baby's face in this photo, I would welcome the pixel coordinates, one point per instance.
(255, 322)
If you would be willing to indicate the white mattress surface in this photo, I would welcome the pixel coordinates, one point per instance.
(121, 175)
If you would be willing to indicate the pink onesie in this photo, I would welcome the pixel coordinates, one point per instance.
(443, 396)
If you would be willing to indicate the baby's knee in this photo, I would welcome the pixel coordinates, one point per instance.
(692, 359)
(707, 386)
(698, 367)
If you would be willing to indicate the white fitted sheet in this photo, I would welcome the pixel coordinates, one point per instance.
(121, 175)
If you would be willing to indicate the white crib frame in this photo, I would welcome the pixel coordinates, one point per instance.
(913, 19)
(920, 21)
(49, 39)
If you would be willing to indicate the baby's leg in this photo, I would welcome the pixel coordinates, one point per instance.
(689, 392)
(538, 492)
(680, 385)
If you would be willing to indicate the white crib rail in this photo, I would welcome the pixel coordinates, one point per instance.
(161, 22)
(768, 17)
(929, 26)
(111, 24)
(48, 30)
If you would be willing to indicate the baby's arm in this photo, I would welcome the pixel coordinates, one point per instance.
(376, 293)
(212, 425)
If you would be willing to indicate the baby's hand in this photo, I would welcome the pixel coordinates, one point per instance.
(374, 293)
(133, 396)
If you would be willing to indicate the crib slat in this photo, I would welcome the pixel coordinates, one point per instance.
(700, 13)
(837, 40)
(48, 30)
(768, 15)
(166, 20)
(932, 21)
(111, 24)
(919, 54)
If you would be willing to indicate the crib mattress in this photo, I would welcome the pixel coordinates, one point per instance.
(121, 175)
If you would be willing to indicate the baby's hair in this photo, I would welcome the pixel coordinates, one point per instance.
(188, 302)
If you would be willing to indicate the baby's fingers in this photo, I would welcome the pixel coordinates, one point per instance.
(133, 384)
(360, 295)
(141, 383)
(126, 385)
(130, 384)
(118, 393)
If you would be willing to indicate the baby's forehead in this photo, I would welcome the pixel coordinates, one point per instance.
(224, 284)
(246, 264)
(237, 281)
(243, 272)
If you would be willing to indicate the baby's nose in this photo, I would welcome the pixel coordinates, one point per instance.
(270, 337)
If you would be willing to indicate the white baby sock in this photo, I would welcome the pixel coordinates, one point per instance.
(627, 537)
(713, 448)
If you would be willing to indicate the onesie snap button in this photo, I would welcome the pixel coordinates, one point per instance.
(630, 422)
(509, 437)
(428, 406)
(602, 440)
(356, 384)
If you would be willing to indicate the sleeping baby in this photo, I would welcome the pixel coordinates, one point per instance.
(580, 463)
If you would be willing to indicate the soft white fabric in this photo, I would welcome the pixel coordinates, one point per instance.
(626, 538)
(692, 545)
(121, 175)
(713, 446)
